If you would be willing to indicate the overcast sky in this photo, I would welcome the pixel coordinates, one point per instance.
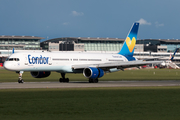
(160, 19)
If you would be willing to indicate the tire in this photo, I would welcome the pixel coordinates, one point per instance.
(20, 81)
(96, 80)
(67, 80)
(91, 80)
(60, 80)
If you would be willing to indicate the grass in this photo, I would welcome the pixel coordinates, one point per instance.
(124, 103)
(135, 103)
(142, 74)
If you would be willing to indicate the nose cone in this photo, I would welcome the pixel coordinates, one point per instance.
(7, 65)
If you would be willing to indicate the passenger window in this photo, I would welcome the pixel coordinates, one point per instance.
(17, 59)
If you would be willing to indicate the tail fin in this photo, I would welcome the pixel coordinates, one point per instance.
(130, 42)
(13, 51)
(174, 54)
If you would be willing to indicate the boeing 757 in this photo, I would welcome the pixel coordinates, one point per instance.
(92, 65)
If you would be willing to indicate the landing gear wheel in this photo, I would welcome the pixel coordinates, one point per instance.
(67, 80)
(60, 80)
(96, 80)
(90, 80)
(20, 81)
(93, 80)
(64, 80)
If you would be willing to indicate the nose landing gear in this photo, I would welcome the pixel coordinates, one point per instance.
(20, 80)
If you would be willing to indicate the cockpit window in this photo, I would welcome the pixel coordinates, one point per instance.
(12, 59)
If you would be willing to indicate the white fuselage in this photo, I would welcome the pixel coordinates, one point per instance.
(57, 61)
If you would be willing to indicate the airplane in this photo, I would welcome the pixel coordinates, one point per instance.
(92, 65)
(169, 63)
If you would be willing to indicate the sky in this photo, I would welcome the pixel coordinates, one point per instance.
(159, 19)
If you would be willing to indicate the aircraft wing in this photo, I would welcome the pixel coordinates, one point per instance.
(118, 65)
(150, 59)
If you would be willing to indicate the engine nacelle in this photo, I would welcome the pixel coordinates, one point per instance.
(93, 72)
(40, 74)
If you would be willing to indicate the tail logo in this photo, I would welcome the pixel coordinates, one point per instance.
(130, 43)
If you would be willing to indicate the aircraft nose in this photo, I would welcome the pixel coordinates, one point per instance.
(7, 66)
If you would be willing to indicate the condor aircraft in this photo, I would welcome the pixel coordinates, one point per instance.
(92, 65)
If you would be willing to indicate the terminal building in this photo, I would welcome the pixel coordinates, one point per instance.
(83, 44)
(7, 43)
(20, 42)
(108, 44)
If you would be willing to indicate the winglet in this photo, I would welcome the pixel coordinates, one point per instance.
(130, 42)
(174, 54)
(13, 51)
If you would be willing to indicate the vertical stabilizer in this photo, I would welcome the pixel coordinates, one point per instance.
(130, 42)
(174, 54)
(13, 51)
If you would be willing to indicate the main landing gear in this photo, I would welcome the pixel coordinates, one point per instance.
(20, 80)
(93, 80)
(63, 79)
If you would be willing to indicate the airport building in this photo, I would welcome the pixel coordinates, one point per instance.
(159, 45)
(109, 44)
(20, 42)
(7, 43)
(83, 44)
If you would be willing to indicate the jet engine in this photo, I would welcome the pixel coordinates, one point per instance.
(93, 73)
(40, 74)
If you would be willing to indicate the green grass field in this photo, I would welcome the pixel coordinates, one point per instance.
(142, 74)
(123, 103)
(136, 103)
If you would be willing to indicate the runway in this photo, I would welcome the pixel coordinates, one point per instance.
(15, 85)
